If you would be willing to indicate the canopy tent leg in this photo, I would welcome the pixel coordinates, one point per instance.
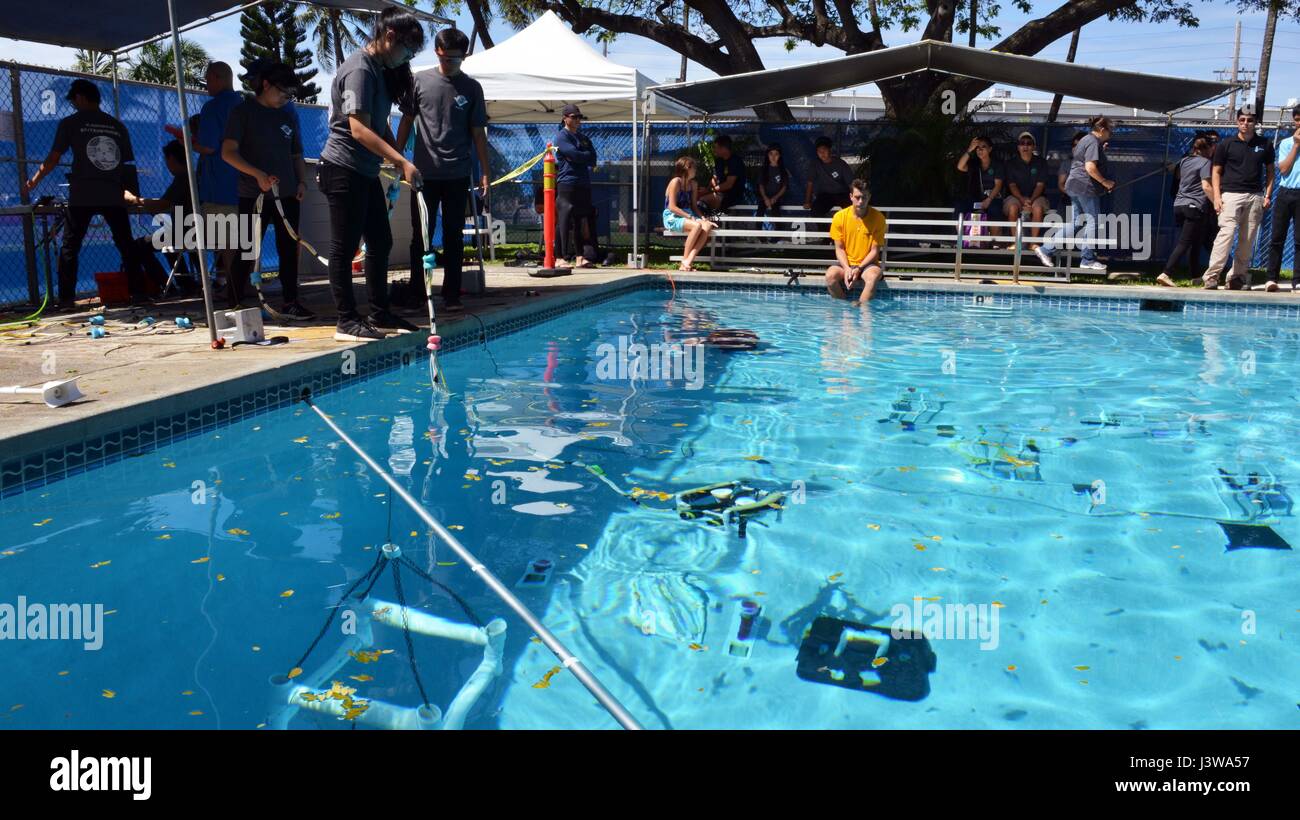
(195, 207)
(636, 224)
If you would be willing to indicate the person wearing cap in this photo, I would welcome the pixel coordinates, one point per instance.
(450, 119)
(1242, 165)
(218, 182)
(575, 156)
(1026, 175)
(103, 171)
(263, 143)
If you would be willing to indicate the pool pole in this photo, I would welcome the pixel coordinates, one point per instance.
(548, 269)
(567, 659)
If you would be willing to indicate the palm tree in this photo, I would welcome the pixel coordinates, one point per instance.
(93, 62)
(155, 63)
(335, 32)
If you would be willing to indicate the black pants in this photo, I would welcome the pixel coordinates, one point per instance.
(285, 247)
(823, 204)
(1191, 223)
(450, 198)
(74, 234)
(575, 223)
(1286, 212)
(358, 210)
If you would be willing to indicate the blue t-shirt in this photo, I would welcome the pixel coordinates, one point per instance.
(218, 181)
(1291, 180)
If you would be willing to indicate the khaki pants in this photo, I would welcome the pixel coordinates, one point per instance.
(1244, 211)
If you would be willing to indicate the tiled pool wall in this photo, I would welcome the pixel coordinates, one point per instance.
(76, 451)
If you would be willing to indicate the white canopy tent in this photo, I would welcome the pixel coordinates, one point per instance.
(531, 76)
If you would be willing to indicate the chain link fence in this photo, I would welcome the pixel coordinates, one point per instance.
(32, 103)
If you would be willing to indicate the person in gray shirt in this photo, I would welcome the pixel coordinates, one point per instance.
(360, 137)
(449, 115)
(1191, 209)
(828, 181)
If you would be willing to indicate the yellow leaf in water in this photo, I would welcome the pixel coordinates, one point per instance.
(583, 546)
(873, 526)
(545, 682)
(237, 531)
(414, 533)
(331, 516)
(456, 527)
(1011, 668)
(1082, 668)
(196, 713)
(288, 593)
(220, 577)
(597, 424)
(835, 576)
(257, 648)
(753, 458)
(362, 678)
(188, 692)
(356, 711)
(169, 464)
(936, 538)
(163, 537)
(937, 569)
(448, 563)
(879, 662)
(919, 547)
(302, 440)
(202, 560)
(8, 552)
(42, 523)
(64, 672)
(15, 707)
(365, 656)
(999, 604)
(907, 469)
(680, 424)
(109, 693)
(294, 672)
(100, 564)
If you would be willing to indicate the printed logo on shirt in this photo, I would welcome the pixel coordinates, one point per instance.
(103, 153)
(835, 174)
(461, 101)
(287, 131)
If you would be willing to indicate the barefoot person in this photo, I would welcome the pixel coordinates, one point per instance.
(859, 235)
(682, 191)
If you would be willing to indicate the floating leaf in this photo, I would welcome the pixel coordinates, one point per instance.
(583, 546)
(109, 693)
(835, 577)
(169, 464)
(695, 647)
(919, 547)
(288, 593)
(873, 527)
(362, 678)
(163, 537)
(1011, 668)
(302, 440)
(100, 564)
(294, 672)
(448, 563)
(365, 655)
(202, 560)
(456, 527)
(545, 682)
(879, 662)
(42, 523)
(196, 713)
(1082, 668)
(188, 692)
(64, 672)
(907, 469)
(331, 516)
(237, 531)
(220, 577)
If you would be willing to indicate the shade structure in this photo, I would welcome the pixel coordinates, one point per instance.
(1147, 92)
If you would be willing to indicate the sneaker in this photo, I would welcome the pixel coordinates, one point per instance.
(1099, 267)
(1044, 256)
(1210, 282)
(357, 330)
(1164, 280)
(388, 320)
(1271, 287)
(295, 310)
(453, 307)
(1235, 284)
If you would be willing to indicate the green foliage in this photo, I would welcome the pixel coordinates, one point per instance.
(274, 31)
(93, 62)
(156, 63)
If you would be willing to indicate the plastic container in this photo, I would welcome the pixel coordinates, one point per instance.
(113, 288)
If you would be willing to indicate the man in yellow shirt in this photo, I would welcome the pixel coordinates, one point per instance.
(859, 235)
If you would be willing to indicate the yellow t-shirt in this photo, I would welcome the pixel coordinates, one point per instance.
(858, 236)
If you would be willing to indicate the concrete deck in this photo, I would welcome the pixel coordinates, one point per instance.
(130, 369)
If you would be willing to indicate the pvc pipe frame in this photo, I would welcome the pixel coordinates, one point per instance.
(567, 659)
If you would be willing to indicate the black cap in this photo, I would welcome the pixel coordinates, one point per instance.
(85, 88)
(572, 110)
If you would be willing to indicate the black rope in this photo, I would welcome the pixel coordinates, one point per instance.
(406, 633)
(333, 610)
(469, 613)
(373, 581)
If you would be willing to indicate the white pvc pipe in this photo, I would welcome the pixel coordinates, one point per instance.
(378, 714)
(281, 713)
(54, 394)
(426, 624)
(488, 669)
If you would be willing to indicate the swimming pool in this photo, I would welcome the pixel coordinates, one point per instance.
(1061, 470)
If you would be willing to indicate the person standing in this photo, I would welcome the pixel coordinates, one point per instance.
(858, 232)
(773, 182)
(218, 182)
(828, 187)
(1241, 165)
(1191, 207)
(1088, 180)
(1286, 209)
(348, 173)
(1026, 176)
(451, 116)
(262, 142)
(103, 171)
(575, 157)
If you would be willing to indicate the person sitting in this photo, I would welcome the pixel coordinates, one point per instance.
(1027, 179)
(859, 235)
(174, 202)
(682, 191)
(985, 177)
(773, 182)
(728, 183)
(828, 187)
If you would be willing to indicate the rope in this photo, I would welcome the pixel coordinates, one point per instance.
(330, 618)
(257, 259)
(406, 633)
(469, 613)
(279, 206)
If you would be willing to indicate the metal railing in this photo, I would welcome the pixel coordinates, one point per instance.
(567, 659)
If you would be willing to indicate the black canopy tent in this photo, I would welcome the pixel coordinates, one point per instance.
(1149, 92)
(118, 26)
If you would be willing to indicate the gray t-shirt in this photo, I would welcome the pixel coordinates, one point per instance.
(1191, 170)
(831, 177)
(102, 161)
(358, 88)
(1078, 183)
(448, 107)
(268, 140)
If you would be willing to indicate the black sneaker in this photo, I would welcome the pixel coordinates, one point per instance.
(453, 307)
(295, 310)
(357, 330)
(702, 208)
(388, 320)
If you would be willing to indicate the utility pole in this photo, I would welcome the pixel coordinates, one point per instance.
(1236, 56)
(686, 24)
(1266, 57)
(1069, 58)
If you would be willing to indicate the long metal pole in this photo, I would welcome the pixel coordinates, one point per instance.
(1236, 54)
(566, 658)
(29, 221)
(636, 171)
(195, 206)
(117, 102)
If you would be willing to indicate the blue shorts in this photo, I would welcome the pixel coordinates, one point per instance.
(673, 222)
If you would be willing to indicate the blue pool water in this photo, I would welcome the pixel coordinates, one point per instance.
(1059, 469)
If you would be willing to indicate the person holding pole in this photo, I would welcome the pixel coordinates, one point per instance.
(348, 173)
(451, 116)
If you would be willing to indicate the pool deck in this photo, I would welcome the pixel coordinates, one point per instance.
(134, 374)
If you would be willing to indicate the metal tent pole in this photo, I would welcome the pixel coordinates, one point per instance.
(1164, 177)
(117, 102)
(195, 207)
(636, 210)
(566, 658)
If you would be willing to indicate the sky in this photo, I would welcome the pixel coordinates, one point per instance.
(1150, 48)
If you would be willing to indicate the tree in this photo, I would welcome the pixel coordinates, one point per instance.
(1275, 8)
(156, 63)
(335, 32)
(724, 33)
(94, 62)
(273, 31)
